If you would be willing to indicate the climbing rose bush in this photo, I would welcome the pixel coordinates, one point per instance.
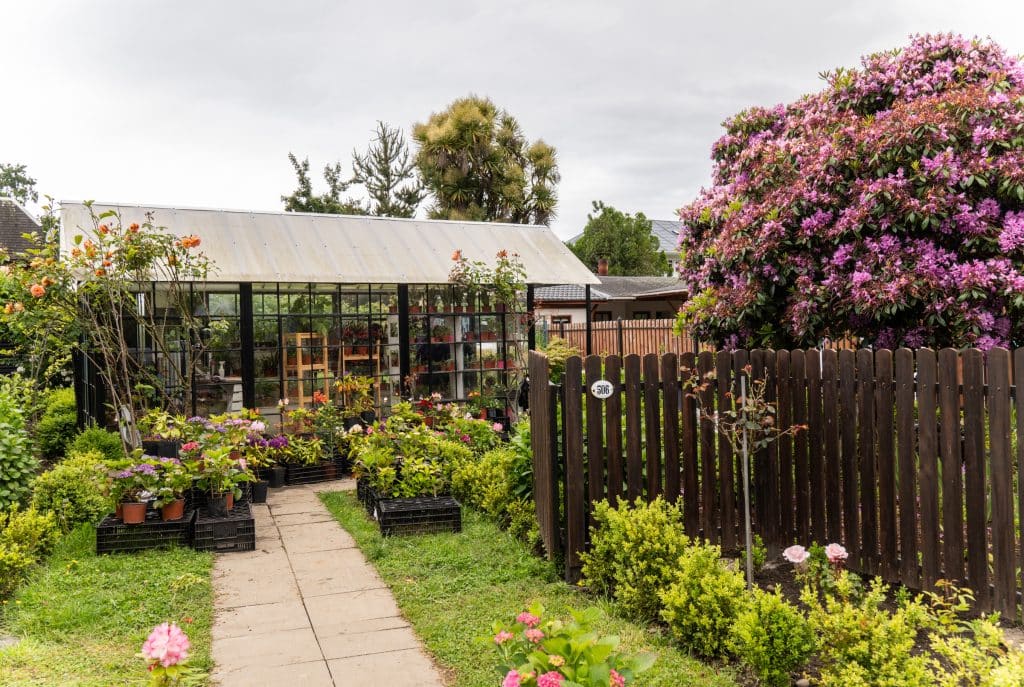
(890, 206)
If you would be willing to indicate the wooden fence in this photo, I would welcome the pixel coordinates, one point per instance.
(626, 337)
(910, 458)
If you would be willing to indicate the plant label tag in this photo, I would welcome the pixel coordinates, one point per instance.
(602, 389)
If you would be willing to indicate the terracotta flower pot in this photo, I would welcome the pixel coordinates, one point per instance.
(230, 499)
(119, 510)
(133, 513)
(175, 510)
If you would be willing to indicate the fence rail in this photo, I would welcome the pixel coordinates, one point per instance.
(910, 458)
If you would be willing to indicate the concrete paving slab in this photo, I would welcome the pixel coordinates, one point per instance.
(349, 609)
(245, 621)
(316, 536)
(268, 649)
(311, 674)
(363, 643)
(406, 668)
(295, 507)
(303, 518)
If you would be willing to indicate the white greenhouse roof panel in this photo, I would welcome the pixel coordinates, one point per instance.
(252, 246)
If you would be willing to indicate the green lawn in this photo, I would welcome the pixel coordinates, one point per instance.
(82, 617)
(452, 587)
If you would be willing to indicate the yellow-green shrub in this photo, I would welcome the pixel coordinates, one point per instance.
(14, 564)
(703, 601)
(772, 637)
(73, 490)
(33, 532)
(489, 483)
(634, 553)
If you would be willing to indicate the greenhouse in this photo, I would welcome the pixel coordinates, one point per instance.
(298, 303)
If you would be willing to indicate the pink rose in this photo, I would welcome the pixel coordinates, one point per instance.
(836, 554)
(795, 554)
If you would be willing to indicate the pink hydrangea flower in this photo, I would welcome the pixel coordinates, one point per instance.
(190, 446)
(534, 635)
(616, 680)
(166, 644)
(502, 637)
(497, 427)
(528, 619)
(795, 554)
(511, 679)
(550, 679)
(836, 553)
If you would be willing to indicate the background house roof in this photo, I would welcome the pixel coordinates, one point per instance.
(610, 288)
(250, 246)
(15, 221)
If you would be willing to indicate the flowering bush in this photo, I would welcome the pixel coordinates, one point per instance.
(166, 654)
(542, 652)
(820, 567)
(890, 205)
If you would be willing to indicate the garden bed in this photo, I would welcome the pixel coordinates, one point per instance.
(113, 536)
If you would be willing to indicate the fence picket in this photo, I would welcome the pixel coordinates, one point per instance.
(613, 427)
(815, 437)
(1003, 539)
(802, 491)
(652, 424)
(575, 497)
(831, 485)
(952, 484)
(868, 505)
(595, 433)
(634, 431)
(769, 464)
(726, 479)
(691, 490)
(887, 525)
(785, 449)
(542, 443)
(974, 464)
(927, 444)
(848, 451)
(708, 513)
(670, 408)
(906, 446)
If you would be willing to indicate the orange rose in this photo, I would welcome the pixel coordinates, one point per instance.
(9, 308)
(37, 290)
(190, 241)
(457, 255)
(104, 229)
(133, 228)
(100, 272)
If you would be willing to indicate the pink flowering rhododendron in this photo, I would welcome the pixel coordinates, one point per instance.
(890, 205)
(795, 554)
(167, 645)
(836, 554)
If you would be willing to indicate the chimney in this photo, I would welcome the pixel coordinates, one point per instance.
(602, 267)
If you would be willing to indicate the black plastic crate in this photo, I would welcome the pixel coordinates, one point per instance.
(364, 493)
(113, 536)
(236, 532)
(310, 474)
(418, 515)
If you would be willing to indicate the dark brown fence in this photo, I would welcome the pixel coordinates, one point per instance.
(910, 458)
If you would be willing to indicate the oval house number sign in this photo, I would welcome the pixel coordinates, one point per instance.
(602, 389)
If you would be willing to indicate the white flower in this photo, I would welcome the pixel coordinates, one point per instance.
(795, 554)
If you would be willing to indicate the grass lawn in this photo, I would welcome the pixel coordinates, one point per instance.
(452, 587)
(82, 617)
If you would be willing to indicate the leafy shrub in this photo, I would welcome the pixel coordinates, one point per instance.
(14, 564)
(862, 644)
(57, 425)
(33, 532)
(772, 637)
(17, 464)
(634, 553)
(491, 484)
(558, 351)
(73, 490)
(704, 600)
(98, 439)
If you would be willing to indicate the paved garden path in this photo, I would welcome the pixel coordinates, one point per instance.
(306, 609)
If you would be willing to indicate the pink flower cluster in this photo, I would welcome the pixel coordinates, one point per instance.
(167, 645)
(889, 205)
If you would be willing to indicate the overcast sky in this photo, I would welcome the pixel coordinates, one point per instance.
(197, 103)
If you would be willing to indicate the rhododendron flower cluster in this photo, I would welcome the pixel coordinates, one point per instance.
(889, 206)
(166, 652)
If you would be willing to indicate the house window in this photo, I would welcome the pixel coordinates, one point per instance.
(602, 317)
(661, 315)
(642, 315)
(558, 320)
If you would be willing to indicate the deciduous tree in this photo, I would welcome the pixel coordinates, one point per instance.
(624, 240)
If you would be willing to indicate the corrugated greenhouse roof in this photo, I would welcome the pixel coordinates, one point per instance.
(255, 246)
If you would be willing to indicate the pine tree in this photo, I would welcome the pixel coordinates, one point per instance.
(388, 173)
